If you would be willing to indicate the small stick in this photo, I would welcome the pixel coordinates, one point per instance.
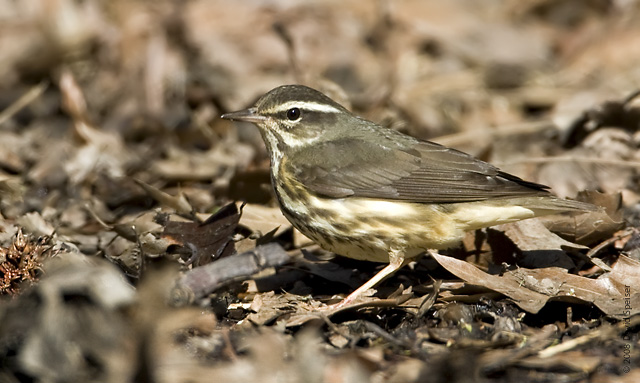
(23, 101)
(201, 281)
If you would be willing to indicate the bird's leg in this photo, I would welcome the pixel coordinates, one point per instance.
(396, 261)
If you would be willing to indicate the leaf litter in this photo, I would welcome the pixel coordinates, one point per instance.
(139, 239)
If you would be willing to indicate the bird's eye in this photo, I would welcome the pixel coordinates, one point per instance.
(293, 114)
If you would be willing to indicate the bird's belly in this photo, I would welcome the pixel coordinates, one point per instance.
(368, 229)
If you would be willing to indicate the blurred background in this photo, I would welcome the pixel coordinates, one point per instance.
(508, 81)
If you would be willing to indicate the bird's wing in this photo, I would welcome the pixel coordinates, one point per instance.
(418, 171)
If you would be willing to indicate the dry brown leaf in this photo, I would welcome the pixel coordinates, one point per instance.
(532, 288)
(11, 152)
(531, 234)
(591, 227)
(179, 203)
(264, 219)
(131, 227)
(202, 166)
(269, 306)
(35, 224)
(100, 151)
(536, 245)
(208, 240)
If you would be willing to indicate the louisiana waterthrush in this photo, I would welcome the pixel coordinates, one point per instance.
(371, 193)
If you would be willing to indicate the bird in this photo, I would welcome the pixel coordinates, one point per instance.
(372, 193)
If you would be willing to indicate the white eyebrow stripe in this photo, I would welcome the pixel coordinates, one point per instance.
(305, 105)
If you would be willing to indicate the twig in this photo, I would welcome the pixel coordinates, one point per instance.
(203, 280)
(23, 101)
(604, 332)
(570, 344)
(429, 299)
(95, 216)
(609, 242)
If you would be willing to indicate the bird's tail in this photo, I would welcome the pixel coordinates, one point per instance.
(551, 205)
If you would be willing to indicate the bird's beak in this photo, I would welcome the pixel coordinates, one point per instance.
(248, 115)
